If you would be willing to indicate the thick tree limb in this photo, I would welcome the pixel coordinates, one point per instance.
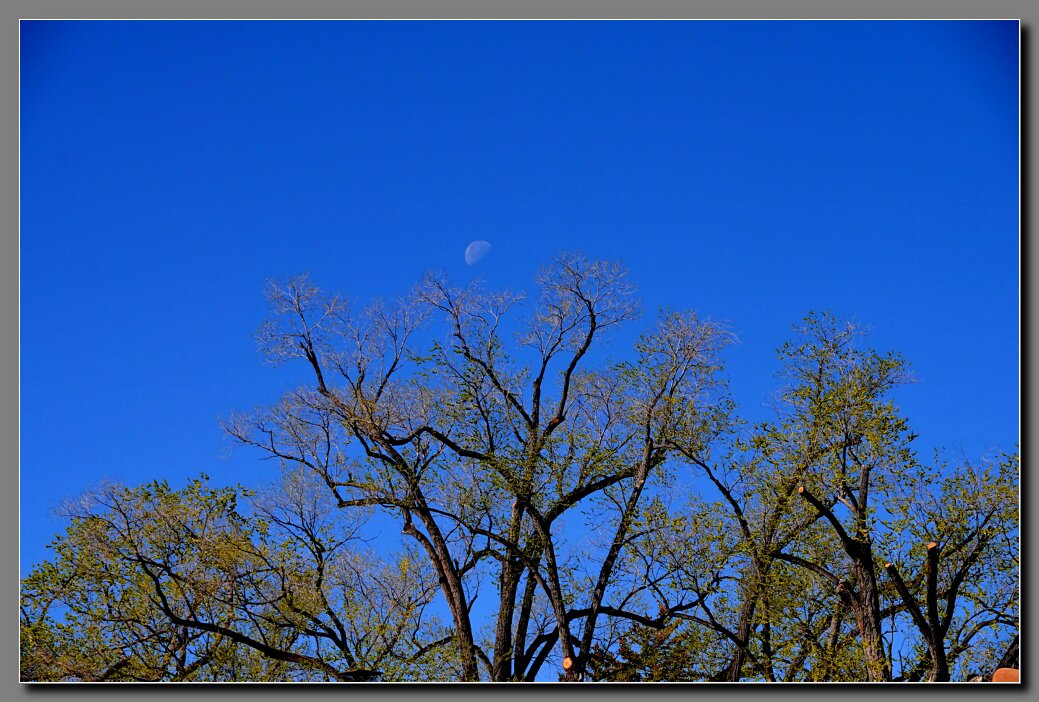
(850, 545)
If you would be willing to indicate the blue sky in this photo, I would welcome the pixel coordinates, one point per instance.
(752, 171)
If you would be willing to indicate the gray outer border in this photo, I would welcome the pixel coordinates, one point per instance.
(12, 10)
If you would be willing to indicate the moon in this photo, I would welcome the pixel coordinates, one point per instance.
(475, 251)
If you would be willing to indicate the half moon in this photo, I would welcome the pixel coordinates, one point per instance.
(475, 251)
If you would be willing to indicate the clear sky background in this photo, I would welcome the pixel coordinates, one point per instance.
(752, 171)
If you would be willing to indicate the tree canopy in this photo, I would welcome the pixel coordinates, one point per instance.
(472, 489)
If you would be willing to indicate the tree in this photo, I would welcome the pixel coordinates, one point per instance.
(850, 442)
(152, 583)
(966, 584)
(481, 457)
